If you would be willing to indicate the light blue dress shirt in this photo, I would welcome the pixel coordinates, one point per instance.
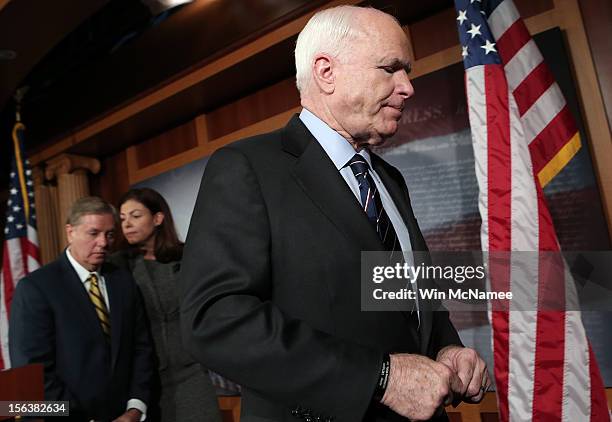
(340, 151)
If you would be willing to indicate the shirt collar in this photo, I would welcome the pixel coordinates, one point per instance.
(81, 271)
(339, 150)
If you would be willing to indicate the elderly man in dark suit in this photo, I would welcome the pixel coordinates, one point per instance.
(84, 321)
(271, 270)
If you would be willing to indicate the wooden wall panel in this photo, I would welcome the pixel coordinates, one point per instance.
(256, 107)
(433, 34)
(172, 142)
(528, 8)
(597, 16)
(203, 150)
(112, 181)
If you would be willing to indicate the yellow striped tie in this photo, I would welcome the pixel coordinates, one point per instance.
(98, 301)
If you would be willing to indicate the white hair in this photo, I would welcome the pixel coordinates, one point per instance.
(326, 32)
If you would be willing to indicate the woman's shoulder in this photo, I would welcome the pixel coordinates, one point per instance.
(175, 266)
(170, 254)
(123, 258)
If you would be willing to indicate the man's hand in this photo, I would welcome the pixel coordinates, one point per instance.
(131, 415)
(470, 368)
(418, 386)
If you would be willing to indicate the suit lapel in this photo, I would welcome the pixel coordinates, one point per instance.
(318, 177)
(115, 299)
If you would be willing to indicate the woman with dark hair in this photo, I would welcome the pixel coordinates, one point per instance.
(152, 252)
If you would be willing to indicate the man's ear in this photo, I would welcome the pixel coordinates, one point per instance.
(323, 73)
(69, 230)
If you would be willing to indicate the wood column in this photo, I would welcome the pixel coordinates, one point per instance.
(71, 172)
(46, 217)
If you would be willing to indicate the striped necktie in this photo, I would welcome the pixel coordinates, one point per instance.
(100, 306)
(372, 204)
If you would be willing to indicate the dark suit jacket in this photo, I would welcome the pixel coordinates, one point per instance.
(271, 281)
(53, 322)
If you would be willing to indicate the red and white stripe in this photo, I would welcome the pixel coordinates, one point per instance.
(544, 366)
(20, 257)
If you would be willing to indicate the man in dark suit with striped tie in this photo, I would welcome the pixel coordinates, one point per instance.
(271, 270)
(84, 321)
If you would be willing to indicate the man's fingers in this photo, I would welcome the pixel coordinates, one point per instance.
(474, 388)
(455, 383)
(420, 387)
(477, 398)
(466, 372)
(478, 380)
(487, 383)
(475, 384)
(455, 393)
(452, 385)
(484, 387)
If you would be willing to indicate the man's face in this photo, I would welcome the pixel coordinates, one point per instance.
(371, 82)
(91, 239)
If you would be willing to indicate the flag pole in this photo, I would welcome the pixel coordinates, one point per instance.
(19, 94)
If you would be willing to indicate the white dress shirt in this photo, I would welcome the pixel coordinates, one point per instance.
(84, 274)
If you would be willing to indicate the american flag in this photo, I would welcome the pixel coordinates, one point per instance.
(523, 134)
(20, 251)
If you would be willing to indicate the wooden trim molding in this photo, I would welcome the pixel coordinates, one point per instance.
(590, 99)
(136, 174)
